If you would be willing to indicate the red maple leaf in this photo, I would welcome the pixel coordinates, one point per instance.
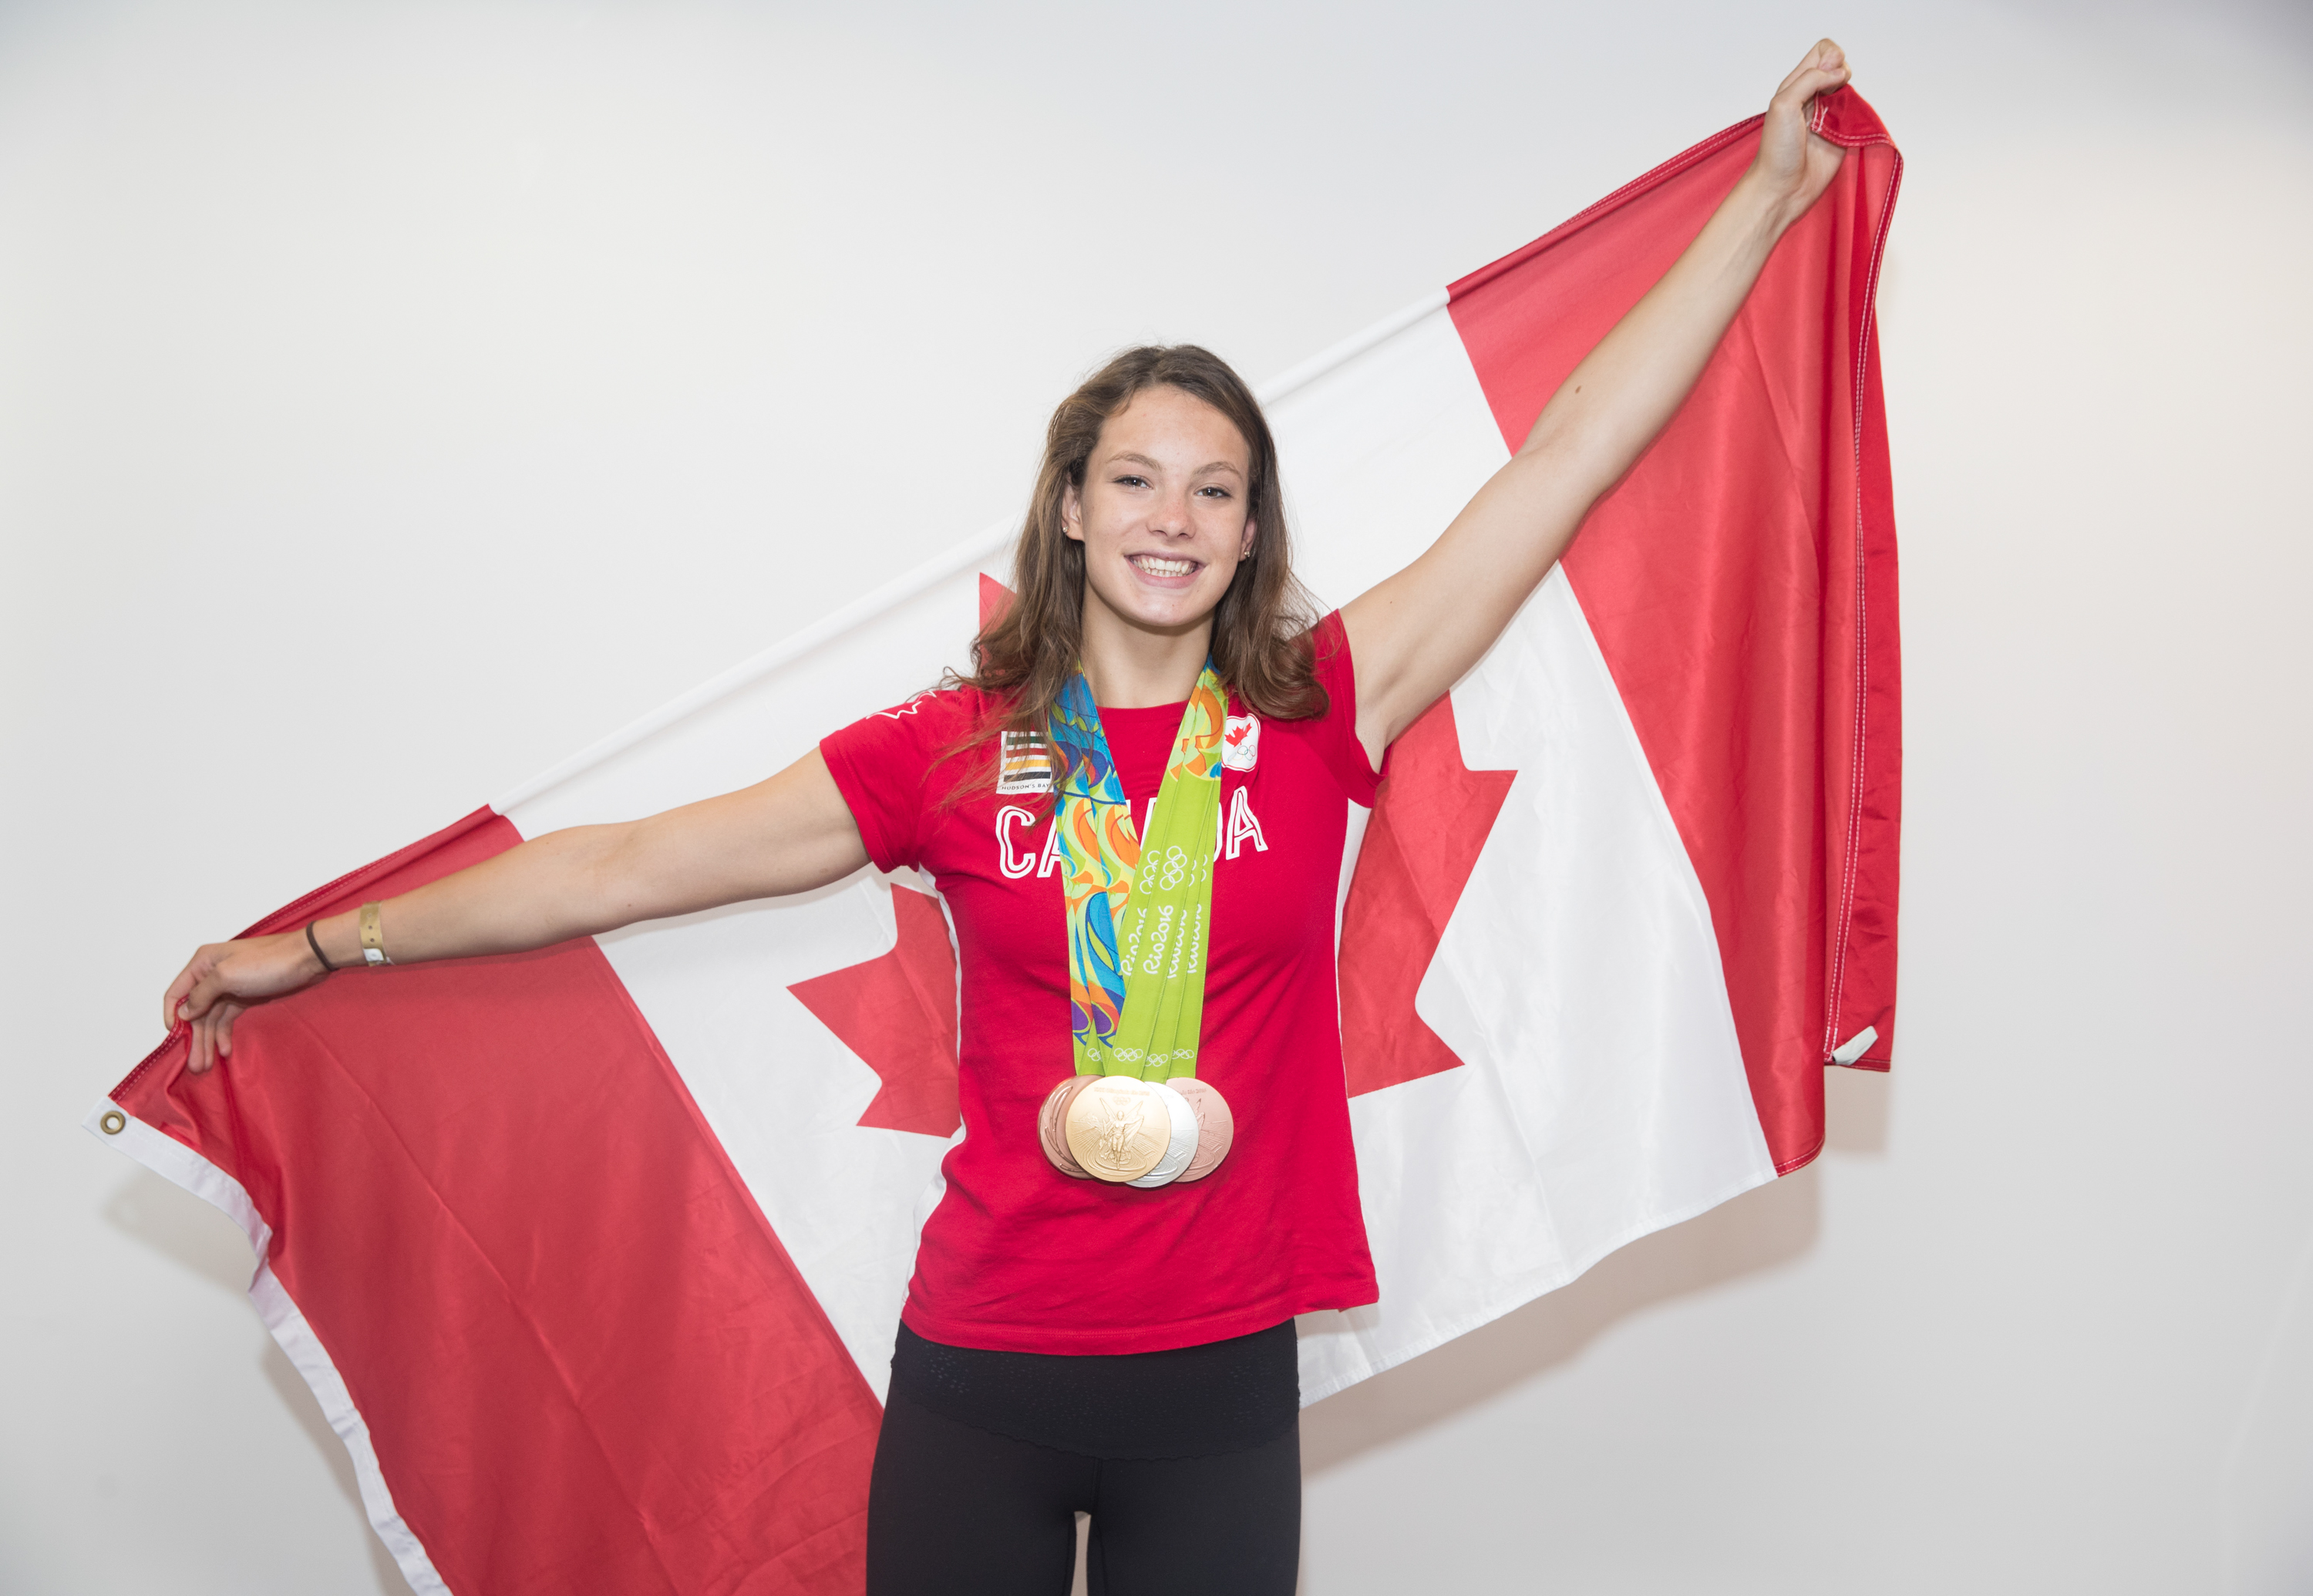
(1433, 817)
(897, 1012)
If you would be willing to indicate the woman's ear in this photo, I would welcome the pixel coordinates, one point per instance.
(1244, 544)
(1071, 511)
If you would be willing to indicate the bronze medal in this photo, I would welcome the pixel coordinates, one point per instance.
(1051, 1126)
(1118, 1126)
(1215, 1125)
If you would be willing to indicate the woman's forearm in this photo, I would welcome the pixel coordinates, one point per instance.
(789, 833)
(563, 885)
(1417, 633)
(1628, 388)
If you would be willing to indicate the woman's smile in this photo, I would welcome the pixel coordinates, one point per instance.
(1170, 572)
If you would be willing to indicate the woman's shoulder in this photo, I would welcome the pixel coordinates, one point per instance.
(952, 707)
(1328, 643)
(898, 767)
(1329, 726)
(936, 724)
(1323, 677)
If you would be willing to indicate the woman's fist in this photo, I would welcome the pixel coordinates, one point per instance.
(225, 978)
(1794, 163)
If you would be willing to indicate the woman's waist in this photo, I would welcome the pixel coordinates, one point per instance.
(1215, 1397)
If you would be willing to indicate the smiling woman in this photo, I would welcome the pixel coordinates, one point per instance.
(1159, 480)
(1101, 1316)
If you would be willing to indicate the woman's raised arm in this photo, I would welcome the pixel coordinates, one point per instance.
(1414, 635)
(789, 833)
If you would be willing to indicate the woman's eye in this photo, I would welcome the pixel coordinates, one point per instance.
(1216, 491)
(1132, 481)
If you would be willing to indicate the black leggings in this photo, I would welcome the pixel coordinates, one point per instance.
(957, 1510)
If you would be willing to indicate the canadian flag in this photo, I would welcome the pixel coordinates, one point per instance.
(593, 1256)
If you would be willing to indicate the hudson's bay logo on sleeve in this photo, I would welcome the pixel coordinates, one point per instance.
(1240, 742)
(1027, 764)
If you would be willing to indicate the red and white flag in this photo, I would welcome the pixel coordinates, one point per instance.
(593, 1256)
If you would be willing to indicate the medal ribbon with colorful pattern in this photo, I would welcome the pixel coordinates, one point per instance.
(1139, 911)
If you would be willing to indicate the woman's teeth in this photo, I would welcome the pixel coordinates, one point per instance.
(1157, 567)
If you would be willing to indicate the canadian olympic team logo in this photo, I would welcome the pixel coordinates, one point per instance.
(1240, 742)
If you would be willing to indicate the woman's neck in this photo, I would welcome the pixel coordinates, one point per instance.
(1131, 668)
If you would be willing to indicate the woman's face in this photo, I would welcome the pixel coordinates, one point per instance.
(1162, 514)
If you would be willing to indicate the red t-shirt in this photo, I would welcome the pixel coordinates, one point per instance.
(1017, 1256)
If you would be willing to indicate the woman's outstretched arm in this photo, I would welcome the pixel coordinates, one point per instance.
(789, 833)
(1414, 635)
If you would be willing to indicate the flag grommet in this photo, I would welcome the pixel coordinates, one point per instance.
(113, 1122)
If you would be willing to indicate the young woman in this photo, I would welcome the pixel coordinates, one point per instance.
(1101, 1316)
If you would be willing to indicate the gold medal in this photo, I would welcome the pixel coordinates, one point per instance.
(1118, 1127)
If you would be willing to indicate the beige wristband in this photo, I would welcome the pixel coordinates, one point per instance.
(372, 936)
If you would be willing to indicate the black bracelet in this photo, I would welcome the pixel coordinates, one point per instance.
(315, 942)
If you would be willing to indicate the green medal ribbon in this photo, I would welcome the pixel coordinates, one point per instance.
(1139, 911)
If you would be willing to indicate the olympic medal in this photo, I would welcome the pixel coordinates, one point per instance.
(1183, 1145)
(1215, 1125)
(1051, 1126)
(1119, 1128)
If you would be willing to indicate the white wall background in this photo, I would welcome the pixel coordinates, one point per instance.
(395, 397)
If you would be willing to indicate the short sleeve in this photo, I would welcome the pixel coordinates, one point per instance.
(883, 765)
(1335, 735)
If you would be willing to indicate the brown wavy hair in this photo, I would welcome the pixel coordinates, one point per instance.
(1261, 644)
